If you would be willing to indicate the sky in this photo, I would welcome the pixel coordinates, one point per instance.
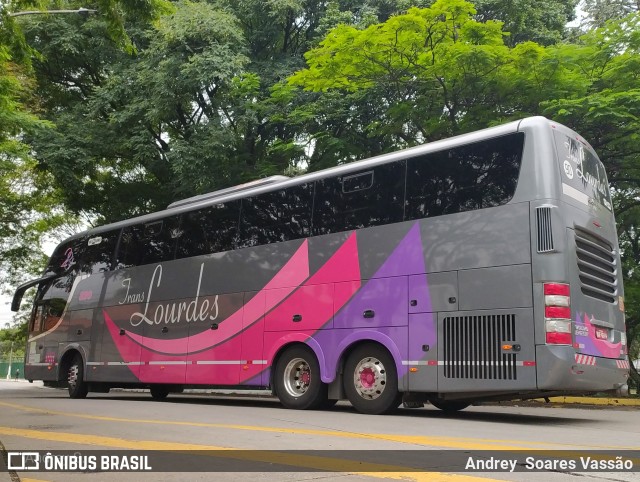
(5, 313)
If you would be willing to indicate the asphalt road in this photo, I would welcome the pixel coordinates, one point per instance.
(251, 438)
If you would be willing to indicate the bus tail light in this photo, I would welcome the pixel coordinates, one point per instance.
(557, 314)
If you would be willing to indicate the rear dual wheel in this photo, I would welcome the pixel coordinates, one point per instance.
(371, 380)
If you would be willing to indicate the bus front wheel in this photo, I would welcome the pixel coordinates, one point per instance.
(297, 380)
(371, 380)
(78, 388)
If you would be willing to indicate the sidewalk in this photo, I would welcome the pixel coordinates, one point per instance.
(601, 401)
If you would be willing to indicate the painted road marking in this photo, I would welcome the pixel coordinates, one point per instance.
(436, 441)
(300, 461)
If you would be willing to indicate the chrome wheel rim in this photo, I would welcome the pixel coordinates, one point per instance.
(297, 377)
(370, 378)
(73, 376)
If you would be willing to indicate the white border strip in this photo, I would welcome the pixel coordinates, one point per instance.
(169, 362)
(221, 362)
(572, 192)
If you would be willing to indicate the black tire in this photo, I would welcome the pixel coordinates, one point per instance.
(371, 380)
(449, 406)
(159, 392)
(78, 388)
(297, 380)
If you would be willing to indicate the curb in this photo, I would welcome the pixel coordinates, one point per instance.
(613, 402)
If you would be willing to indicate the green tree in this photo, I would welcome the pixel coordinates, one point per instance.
(25, 200)
(31, 202)
(13, 341)
(434, 70)
(122, 118)
(543, 22)
(599, 12)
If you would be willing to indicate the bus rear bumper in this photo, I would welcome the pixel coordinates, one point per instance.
(558, 368)
(41, 371)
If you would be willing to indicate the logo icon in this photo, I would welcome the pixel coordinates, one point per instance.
(23, 461)
(568, 170)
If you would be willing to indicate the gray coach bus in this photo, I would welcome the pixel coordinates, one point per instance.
(481, 267)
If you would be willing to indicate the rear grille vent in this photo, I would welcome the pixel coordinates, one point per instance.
(544, 231)
(596, 266)
(473, 347)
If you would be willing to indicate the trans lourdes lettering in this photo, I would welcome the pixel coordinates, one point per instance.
(195, 310)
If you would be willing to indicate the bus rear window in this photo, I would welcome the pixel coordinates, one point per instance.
(473, 176)
(582, 171)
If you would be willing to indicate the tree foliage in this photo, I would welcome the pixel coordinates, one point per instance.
(543, 22)
(599, 12)
(25, 196)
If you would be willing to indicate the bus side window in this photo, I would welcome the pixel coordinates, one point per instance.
(209, 230)
(276, 216)
(475, 176)
(66, 256)
(148, 243)
(370, 198)
(98, 253)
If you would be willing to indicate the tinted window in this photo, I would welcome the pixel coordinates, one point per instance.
(474, 176)
(358, 200)
(98, 251)
(66, 256)
(152, 242)
(209, 230)
(582, 169)
(276, 216)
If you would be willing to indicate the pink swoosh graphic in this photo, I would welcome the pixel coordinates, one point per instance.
(294, 272)
(343, 265)
(606, 348)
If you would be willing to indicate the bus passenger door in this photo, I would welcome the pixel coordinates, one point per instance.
(428, 295)
(48, 330)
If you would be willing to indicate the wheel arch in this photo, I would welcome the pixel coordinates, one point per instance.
(291, 340)
(67, 358)
(331, 360)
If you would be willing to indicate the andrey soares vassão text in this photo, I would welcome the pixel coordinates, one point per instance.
(584, 463)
